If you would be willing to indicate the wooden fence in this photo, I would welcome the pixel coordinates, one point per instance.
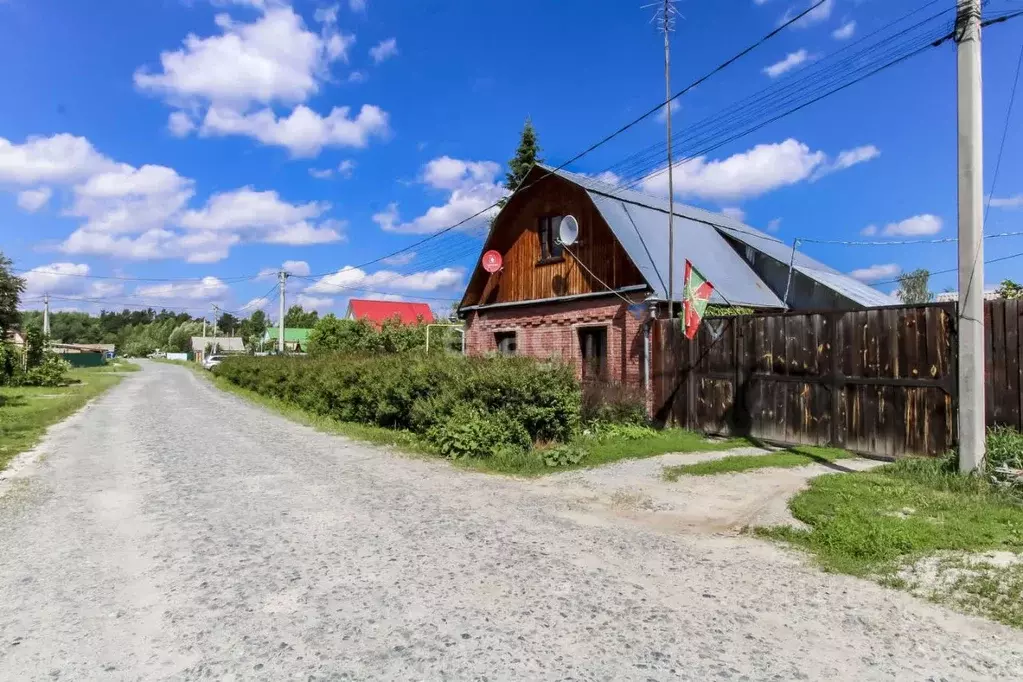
(1003, 361)
(879, 381)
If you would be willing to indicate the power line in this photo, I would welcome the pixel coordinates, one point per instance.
(947, 271)
(667, 103)
(1005, 134)
(903, 242)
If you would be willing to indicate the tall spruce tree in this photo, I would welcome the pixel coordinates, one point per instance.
(526, 155)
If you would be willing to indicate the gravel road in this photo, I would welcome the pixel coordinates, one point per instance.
(172, 531)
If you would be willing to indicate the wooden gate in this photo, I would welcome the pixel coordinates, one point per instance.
(880, 382)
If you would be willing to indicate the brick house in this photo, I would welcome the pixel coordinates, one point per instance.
(588, 303)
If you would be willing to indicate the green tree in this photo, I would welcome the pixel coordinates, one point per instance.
(254, 328)
(180, 340)
(1010, 290)
(35, 347)
(227, 324)
(11, 288)
(331, 334)
(526, 156)
(913, 287)
(298, 318)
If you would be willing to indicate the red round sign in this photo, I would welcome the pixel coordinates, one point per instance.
(491, 261)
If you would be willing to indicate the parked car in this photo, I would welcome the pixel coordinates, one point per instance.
(212, 361)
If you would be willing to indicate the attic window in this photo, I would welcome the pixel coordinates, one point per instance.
(551, 249)
(751, 254)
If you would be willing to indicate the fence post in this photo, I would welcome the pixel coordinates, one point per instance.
(834, 320)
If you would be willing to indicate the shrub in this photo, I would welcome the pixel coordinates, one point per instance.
(460, 404)
(613, 403)
(563, 455)
(471, 432)
(10, 366)
(51, 371)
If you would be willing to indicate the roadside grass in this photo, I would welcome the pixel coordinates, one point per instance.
(881, 524)
(27, 411)
(791, 457)
(117, 366)
(645, 442)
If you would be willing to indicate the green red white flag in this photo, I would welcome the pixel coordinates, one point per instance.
(697, 291)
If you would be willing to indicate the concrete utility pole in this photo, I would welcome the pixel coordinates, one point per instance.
(667, 26)
(971, 238)
(216, 313)
(46, 316)
(282, 278)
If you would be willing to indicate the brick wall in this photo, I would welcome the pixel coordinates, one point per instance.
(551, 330)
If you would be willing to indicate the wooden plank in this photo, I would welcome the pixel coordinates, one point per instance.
(996, 383)
(1012, 385)
(989, 394)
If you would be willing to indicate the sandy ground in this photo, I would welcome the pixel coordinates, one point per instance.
(634, 491)
(172, 531)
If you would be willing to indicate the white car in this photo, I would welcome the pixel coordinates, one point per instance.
(212, 361)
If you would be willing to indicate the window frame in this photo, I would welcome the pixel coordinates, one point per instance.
(551, 250)
(585, 366)
(502, 335)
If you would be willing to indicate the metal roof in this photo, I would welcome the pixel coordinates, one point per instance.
(638, 221)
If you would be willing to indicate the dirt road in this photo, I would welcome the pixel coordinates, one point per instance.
(176, 532)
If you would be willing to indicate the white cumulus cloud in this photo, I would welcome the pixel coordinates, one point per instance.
(59, 159)
(1007, 202)
(383, 50)
(791, 61)
(876, 272)
(845, 31)
(317, 303)
(352, 278)
(32, 200)
(66, 279)
(734, 212)
(296, 267)
(763, 168)
(304, 132)
(207, 289)
(473, 190)
(923, 225)
(816, 16)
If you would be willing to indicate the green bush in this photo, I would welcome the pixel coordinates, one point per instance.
(470, 432)
(334, 335)
(465, 406)
(563, 455)
(51, 371)
(11, 373)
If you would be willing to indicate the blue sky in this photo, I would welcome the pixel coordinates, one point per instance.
(205, 141)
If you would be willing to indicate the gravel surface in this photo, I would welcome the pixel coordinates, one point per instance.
(176, 532)
(722, 504)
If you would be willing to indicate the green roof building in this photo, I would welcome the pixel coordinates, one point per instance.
(295, 339)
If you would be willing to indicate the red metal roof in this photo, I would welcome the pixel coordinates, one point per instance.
(378, 311)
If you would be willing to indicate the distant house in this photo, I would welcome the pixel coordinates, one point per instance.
(224, 344)
(15, 338)
(588, 303)
(378, 312)
(296, 339)
(953, 296)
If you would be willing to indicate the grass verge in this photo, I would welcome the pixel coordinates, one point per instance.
(27, 411)
(792, 457)
(117, 366)
(530, 464)
(917, 525)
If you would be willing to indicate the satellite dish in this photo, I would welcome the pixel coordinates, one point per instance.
(492, 261)
(568, 230)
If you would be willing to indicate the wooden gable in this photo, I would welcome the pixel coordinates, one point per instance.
(525, 275)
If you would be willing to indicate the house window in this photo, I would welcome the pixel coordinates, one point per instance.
(593, 348)
(507, 343)
(550, 247)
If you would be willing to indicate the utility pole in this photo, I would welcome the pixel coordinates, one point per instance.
(282, 278)
(46, 316)
(216, 314)
(666, 17)
(971, 238)
(204, 327)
